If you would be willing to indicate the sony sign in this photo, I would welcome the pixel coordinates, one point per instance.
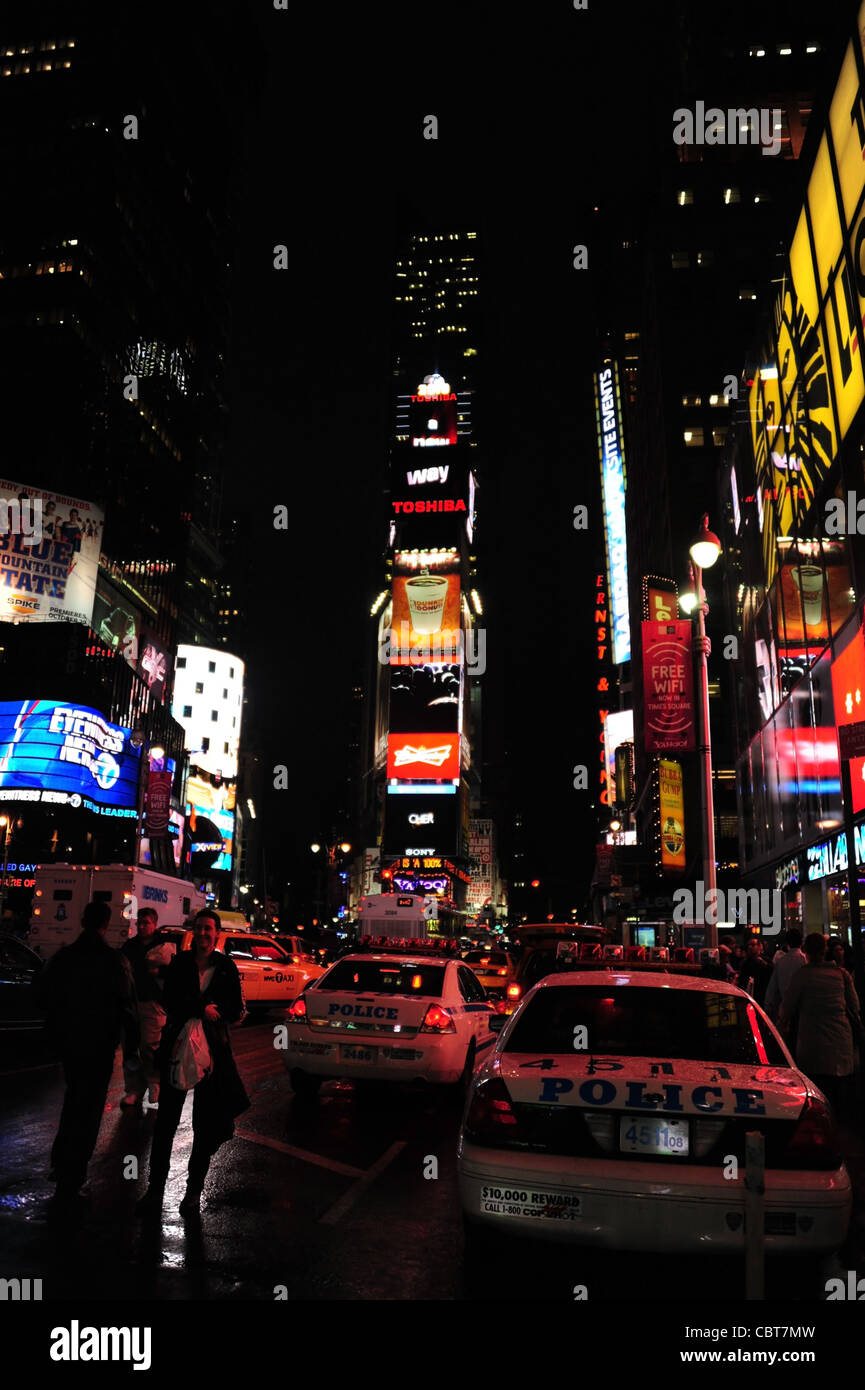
(613, 489)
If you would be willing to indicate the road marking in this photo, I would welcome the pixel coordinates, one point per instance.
(348, 1199)
(305, 1155)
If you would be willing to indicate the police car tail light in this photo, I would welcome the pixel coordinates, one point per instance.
(297, 1013)
(490, 1114)
(437, 1020)
(514, 991)
(815, 1142)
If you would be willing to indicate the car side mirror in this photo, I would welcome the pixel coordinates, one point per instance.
(497, 1022)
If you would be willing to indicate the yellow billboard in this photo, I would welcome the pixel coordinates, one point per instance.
(672, 813)
(804, 399)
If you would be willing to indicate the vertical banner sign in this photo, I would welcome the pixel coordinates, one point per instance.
(608, 410)
(668, 687)
(158, 804)
(672, 813)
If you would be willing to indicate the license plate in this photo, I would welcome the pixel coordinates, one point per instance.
(358, 1054)
(530, 1203)
(659, 1135)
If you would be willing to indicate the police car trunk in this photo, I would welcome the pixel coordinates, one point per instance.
(568, 1105)
(372, 1012)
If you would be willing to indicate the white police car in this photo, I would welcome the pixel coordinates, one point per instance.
(612, 1106)
(389, 1016)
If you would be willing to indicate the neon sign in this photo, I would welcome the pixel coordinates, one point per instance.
(611, 451)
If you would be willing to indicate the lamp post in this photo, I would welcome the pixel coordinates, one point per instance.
(705, 550)
(330, 850)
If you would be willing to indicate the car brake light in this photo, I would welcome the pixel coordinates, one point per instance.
(514, 991)
(815, 1140)
(298, 1010)
(437, 1020)
(503, 972)
(490, 1116)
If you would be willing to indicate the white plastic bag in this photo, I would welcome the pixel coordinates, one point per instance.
(190, 1060)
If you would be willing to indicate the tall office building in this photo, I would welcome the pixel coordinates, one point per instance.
(705, 256)
(113, 324)
(422, 778)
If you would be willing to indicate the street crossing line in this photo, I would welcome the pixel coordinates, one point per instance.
(348, 1199)
(305, 1155)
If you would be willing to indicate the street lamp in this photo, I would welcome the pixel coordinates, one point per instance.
(343, 847)
(705, 549)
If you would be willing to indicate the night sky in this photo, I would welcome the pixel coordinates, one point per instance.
(333, 163)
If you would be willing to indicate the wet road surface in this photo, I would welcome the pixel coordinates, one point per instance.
(325, 1200)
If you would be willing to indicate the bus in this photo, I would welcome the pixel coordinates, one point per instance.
(414, 918)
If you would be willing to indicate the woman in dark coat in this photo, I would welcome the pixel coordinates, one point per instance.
(201, 983)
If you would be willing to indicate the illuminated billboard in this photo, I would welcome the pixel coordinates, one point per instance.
(425, 697)
(208, 703)
(50, 575)
(611, 449)
(804, 398)
(66, 755)
(424, 757)
(426, 618)
(848, 695)
(210, 839)
(420, 825)
(672, 816)
(618, 729)
(668, 696)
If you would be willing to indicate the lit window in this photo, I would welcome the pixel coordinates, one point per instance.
(718, 400)
(685, 197)
(763, 196)
(692, 400)
(694, 437)
(681, 260)
(757, 53)
(719, 436)
(812, 48)
(747, 292)
(785, 52)
(732, 195)
(705, 257)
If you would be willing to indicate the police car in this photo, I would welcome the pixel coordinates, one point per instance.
(389, 1015)
(612, 1106)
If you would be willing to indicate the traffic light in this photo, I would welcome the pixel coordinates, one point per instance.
(387, 880)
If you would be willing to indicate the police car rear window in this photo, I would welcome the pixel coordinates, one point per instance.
(378, 977)
(638, 1022)
(485, 958)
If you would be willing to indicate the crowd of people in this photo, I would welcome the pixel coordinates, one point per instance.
(142, 996)
(811, 998)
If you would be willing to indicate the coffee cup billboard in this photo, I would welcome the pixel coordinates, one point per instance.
(426, 618)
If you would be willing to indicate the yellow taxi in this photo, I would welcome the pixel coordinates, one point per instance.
(273, 970)
(493, 967)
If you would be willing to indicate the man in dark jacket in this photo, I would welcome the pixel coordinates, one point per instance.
(201, 984)
(88, 994)
(755, 972)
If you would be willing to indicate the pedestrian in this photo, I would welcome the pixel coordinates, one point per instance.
(785, 963)
(201, 983)
(820, 1014)
(148, 953)
(89, 996)
(725, 959)
(754, 971)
